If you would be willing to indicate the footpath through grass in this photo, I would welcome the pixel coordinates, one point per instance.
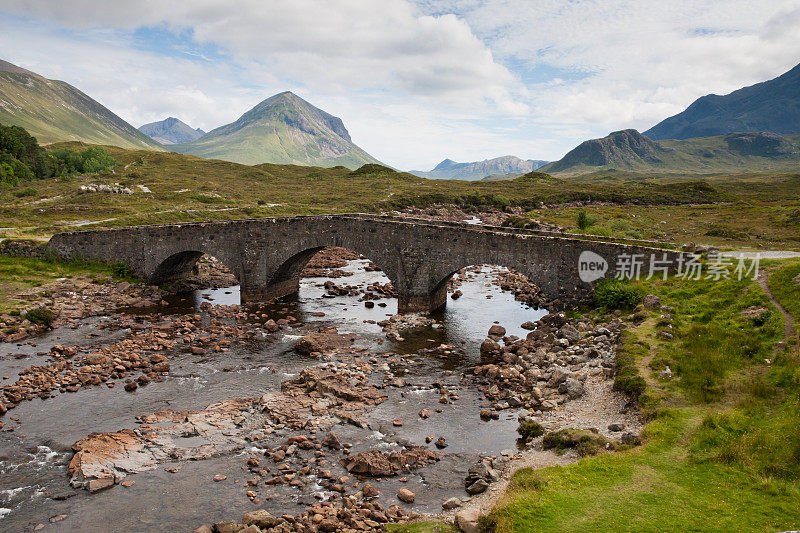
(722, 448)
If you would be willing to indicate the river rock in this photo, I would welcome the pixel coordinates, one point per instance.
(478, 486)
(405, 495)
(452, 503)
(468, 520)
(376, 463)
(332, 441)
(261, 518)
(572, 388)
(490, 346)
(569, 332)
(497, 331)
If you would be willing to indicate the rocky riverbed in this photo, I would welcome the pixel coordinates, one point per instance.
(143, 410)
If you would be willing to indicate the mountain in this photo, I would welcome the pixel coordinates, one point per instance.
(506, 166)
(171, 131)
(282, 129)
(621, 149)
(630, 150)
(55, 111)
(772, 106)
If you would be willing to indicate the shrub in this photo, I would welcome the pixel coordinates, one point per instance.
(617, 294)
(41, 315)
(90, 161)
(530, 429)
(120, 270)
(584, 221)
(28, 191)
(586, 441)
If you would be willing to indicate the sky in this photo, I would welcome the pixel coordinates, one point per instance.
(414, 81)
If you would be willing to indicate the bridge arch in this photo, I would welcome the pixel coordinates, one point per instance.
(543, 278)
(177, 265)
(283, 275)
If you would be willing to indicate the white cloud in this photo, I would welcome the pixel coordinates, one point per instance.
(344, 43)
(415, 82)
(646, 59)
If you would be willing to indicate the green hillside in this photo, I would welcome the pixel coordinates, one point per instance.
(283, 129)
(54, 111)
(755, 210)
(629, 150)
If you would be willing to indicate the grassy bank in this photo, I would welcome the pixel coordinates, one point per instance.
(20, 274)
(722, 448)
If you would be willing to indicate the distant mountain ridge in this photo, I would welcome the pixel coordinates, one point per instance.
(283, 129)
(507, 165)
(771, 106)
(171, 131)
(55, 111)
(630, 150)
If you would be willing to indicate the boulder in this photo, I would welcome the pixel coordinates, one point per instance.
(260, 518)
(569, 332)
(228, 526)
(326, 340)
(369, 491)
(452, 503)
(405, 495)
(651, 301)
(572, 388)
(497, 331)
(490, 346)
(94, 359)
(332, 441)
(478, 486)
(468, 520)
(376, 463)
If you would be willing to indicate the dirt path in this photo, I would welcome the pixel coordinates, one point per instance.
(788, 321)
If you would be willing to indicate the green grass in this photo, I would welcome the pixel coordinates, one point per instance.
(659, 487)
(18, 274)
(722, 448)
(784, 282)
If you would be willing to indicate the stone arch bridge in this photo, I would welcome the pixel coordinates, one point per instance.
(419, 256)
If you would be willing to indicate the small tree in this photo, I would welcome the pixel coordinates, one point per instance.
(584, 221)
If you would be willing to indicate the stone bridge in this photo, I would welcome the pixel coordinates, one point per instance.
(419, 256)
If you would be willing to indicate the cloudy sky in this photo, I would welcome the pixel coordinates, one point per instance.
(414, 81)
